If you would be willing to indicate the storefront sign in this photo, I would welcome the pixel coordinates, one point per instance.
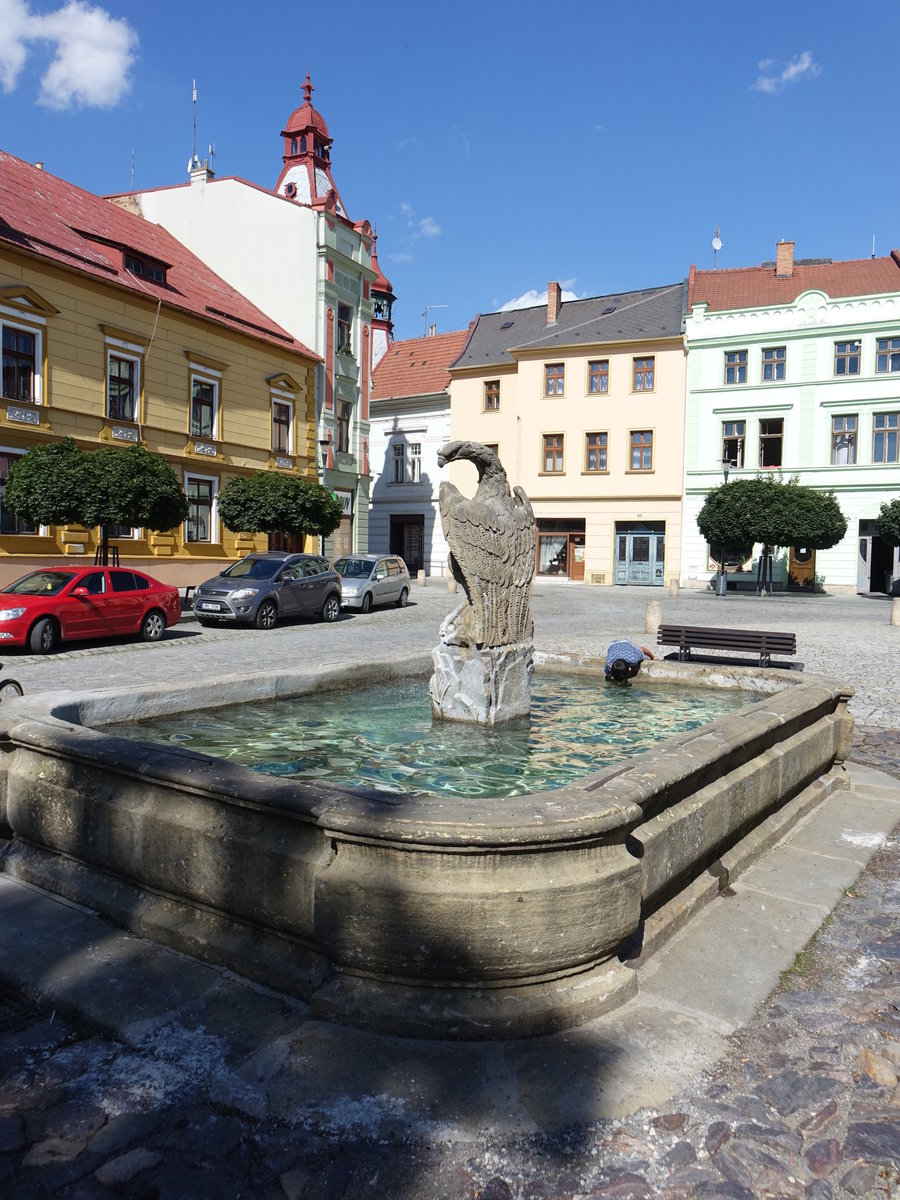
(346, 499)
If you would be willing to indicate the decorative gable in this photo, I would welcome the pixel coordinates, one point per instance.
(26, 300)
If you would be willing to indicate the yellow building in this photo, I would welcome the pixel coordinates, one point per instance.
(584, 402)
(114, 333)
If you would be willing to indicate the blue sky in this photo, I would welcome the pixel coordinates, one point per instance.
(496, 146)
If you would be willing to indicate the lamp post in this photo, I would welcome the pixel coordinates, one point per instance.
(323, 447)
(722, 582)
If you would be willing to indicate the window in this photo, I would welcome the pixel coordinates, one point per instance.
(598, 377)
(282, 423)
(343, 427)
(20, 365)
(407, 462)
(642, 374)
(641, 450)
(736, 366)
(204, 407)
(143, 267)
(9, 522)
(771, 433)
(127, 581)
(554, 379)
(843, 440)
(553, 453)
(123, 387)
(122, 531)
(595, 447)
(733, 442)
(492, 395)
(884, 437)
(495, 446)
(201, 495)
(345, 328)
(887, 355)
(773, 364)
(846, 358)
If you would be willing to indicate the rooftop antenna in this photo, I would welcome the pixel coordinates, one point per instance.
(716, 245)
(873, 245)
(212, 155)
(428, 308)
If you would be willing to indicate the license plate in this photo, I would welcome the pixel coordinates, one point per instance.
(207, 607)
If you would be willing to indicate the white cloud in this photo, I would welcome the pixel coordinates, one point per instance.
(93, 52)
(400, 258)
(428, 227)
(771, 79)
(530, 298)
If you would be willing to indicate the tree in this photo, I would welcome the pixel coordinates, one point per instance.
(738, 515)
(269, 502)
(58, 484)
(741, 514)
(888, 522)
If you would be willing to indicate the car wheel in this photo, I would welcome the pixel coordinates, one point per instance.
(366, 605)
(402, 598)
(44, 636)
(331, 609)
(153, 626)
(10, 689)
(267, 615)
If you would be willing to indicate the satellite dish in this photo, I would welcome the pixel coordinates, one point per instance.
(717, 244)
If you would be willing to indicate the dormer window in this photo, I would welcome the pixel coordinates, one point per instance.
(293, 145)
(144, 268)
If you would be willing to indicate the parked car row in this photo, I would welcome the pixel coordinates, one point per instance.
(60, 604)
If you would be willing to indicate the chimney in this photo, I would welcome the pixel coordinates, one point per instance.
(554, 302)
(40, 164)
(784, 260)
(432, 330)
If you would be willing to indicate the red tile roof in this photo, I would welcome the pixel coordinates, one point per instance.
(753, 287)
(45, 216)
(418, 366)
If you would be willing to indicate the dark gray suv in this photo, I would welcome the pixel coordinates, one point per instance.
(261, 588)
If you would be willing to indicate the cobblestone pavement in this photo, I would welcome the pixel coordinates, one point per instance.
(804, 1105)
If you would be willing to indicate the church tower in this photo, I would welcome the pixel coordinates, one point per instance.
(382, 304)
(306, 173)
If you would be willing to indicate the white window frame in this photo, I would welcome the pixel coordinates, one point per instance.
(10, 318)
(132, 353)
(415, 462)
(42, 530)
(201, 374)
(399, 456)
(213, 512)
(288, 402)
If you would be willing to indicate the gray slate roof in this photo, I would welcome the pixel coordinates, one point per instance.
(649, 313)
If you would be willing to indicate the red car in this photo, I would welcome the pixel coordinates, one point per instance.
(58, 604)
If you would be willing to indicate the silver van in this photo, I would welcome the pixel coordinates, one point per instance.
(370, 579)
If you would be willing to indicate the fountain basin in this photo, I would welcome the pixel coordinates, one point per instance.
(420, 915)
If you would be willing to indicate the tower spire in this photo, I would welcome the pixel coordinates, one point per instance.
(308, 89)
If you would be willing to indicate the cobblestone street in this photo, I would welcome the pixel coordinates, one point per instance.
(804, 1104)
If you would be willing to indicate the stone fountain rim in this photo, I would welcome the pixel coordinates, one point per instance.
(63, 724)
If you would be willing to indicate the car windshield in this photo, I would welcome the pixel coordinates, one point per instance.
(41, 583)
(253, 568)
(353, 568)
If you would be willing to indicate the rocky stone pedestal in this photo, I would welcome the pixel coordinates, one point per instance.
(484, 687)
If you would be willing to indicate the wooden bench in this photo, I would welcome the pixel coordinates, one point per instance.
(741, 641)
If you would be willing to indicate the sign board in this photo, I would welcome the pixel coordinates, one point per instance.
(124, 433)
(25, 416)
(346, 499)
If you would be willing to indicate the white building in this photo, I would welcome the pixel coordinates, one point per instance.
(794, 366)
(297, 255)
(410, 421)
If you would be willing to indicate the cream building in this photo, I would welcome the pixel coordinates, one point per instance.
(584, 402)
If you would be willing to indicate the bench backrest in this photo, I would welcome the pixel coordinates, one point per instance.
(711, 637)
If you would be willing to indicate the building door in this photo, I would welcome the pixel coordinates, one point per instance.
(342, 538)
(877, 562)
(802, 567)
(641, 554)
(407, 541)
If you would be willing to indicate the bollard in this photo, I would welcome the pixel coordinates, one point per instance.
(653, 616)
(451, 584)
(420, 578)
(673, 588)
(895, 611)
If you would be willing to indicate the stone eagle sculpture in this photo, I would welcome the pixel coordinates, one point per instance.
(492, 540)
